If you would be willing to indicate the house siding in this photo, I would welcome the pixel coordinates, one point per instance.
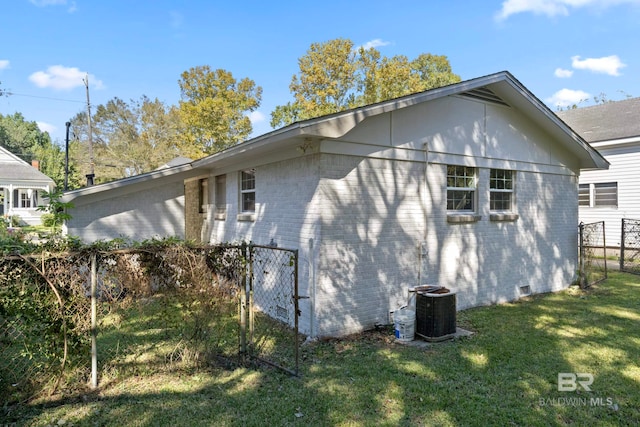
(139, 215)
(623, 170)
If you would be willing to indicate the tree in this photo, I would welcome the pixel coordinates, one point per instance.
(213, 109)
(334, 76)
(24, 139)
(129, 138)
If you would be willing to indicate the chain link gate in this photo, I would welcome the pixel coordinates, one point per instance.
(593, 253)
(630, 246)
(269, 312)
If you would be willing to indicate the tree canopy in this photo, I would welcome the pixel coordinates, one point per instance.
(335, 76)
(129, 138)
(213, 110)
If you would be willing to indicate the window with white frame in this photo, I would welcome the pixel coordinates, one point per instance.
(461, 189)
(248, 190)
(501, 190)
(599, 195)
(605, 194)
(203, 195)
(26, 198)
(584, 195)
(221, 194)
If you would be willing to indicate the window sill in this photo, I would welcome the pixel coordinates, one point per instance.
(463, 218)
(504, 217)
(249, 217)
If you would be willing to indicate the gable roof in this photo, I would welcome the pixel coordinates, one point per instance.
(500, 88)
(13, 168)
(605, 122)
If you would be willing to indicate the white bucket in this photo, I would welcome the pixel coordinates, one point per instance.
(404, 324)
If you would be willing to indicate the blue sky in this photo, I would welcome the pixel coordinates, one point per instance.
(563, 51)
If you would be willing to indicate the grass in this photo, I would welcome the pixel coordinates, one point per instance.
(505, 374)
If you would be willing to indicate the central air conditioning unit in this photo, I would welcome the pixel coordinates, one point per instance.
(435, 312)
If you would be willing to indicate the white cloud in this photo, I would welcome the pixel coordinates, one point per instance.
(4, 64)
(553, 7)
(46, 127)
(63, 78)
(375, 43)
(562, 73)
(256, 117)
(567, 97)
(606, 65)
(44, 3)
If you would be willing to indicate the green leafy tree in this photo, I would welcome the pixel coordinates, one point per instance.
(56, 209)
(335, 76)
(129, 138)
(24, 139)
(213, 109)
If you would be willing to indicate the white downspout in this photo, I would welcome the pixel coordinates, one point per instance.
(422, 246)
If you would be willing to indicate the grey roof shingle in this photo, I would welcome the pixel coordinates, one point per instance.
(21, 172)
(605, 122)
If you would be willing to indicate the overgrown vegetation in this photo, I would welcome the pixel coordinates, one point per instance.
(167, 287)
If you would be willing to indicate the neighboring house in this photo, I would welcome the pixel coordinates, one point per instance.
(21, 187)
(473, 186)
(609, 195)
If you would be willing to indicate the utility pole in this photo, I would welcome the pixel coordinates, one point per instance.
(91, 173)
(66, 158)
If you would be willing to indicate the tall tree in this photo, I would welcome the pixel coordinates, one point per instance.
(213, 109)
(335, 76)
(25, 139)
(129, 138)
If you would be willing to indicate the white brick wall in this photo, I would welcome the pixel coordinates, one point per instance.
(150, 212)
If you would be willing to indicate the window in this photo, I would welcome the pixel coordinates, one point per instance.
(605, 194)
(601, 195)
(248, 190)
(584, 195)
(24, 198)
(221, 195)
(203, 195)
(501, 190)
(461, 188)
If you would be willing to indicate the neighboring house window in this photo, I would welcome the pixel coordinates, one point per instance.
(600, 195)
(501, 190)
(25, 199)
(584, 195)
(221, 194)
(605, 194)
(248, 190)
(461, 188)
(203, 195)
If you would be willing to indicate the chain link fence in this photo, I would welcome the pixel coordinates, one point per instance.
(630, 246)
(69, 320)
(272, 300)
(592, 253)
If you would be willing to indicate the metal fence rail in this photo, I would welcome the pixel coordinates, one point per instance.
(593, 253)
(630, 246)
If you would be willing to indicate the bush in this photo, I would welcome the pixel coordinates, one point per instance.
(48, 220)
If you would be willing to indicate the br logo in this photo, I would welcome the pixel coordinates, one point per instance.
(568, 381)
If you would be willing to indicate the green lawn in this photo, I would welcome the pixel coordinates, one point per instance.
(505, 374)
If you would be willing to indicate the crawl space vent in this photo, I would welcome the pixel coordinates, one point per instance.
(525, 290)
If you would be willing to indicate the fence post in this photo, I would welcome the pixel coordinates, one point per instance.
(604, 249)
(94, 344)
(251, 301)
(296, 299)
(243, 302)
(622, 237)
(583, 272)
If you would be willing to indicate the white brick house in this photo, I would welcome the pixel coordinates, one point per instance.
(472, 186)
